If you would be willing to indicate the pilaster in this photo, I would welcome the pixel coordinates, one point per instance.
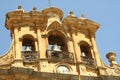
(70, 47)
(76, 46)
(18, 55)
(40, 44)
(41, 51)
(95, 50)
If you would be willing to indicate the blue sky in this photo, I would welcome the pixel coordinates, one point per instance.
(104, 12)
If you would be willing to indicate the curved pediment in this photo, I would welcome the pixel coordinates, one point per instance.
(54, 24)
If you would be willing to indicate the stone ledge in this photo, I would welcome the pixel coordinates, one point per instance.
(31, 75)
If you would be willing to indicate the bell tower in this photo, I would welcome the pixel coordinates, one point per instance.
(26, 37)
(44, 40)
(46, 46)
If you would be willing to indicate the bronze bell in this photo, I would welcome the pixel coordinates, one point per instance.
(83, 54)
(28, 48)
(56, 48)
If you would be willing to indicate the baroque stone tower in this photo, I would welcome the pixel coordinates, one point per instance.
(46, 46)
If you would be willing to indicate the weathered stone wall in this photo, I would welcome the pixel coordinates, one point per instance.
(29, 74)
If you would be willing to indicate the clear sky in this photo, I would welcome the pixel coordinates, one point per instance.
(104, 12)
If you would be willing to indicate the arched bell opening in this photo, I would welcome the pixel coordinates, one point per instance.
(58, 49)
(86, 54)
(85, 49)
(28, 49)
(57, 41)
(28, 43)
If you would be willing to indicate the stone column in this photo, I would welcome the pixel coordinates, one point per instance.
(92, 52)
(70, 46)
(17, 44)
(42, 53)
(18, 57)
(36, 45)
(76, 46)
(95, 50)
(45, 42)
(40, 44)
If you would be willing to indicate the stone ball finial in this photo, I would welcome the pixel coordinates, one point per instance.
(19, 7)
(82, 16)
(111, 58)
(71, 13)
(34, 9)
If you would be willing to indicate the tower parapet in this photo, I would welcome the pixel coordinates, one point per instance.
(22, 18)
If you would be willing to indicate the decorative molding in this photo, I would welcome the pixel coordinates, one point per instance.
(44, 36)
(113, 71)
(69, 39)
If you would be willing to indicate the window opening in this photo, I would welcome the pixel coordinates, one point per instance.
(85, 51)
(28, 50)
(56, 43)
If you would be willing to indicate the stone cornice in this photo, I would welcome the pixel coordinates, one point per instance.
(82, 24)
(32, 18)
(29, 74)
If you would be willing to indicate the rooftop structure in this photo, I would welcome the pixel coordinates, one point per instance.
(46, 46)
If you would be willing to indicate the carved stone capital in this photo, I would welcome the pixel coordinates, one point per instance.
(69, 39)
(44, 35)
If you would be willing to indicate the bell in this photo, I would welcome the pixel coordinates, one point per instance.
(56, 48)
(28, 48)
(83, 54)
